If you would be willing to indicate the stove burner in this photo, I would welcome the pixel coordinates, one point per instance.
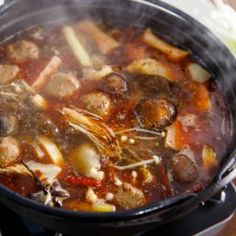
(207, 220)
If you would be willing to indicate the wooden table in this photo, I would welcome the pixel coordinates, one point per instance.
(230, 228)
(232, 3)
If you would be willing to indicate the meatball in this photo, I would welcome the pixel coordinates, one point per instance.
(128, 196)
(62, 85)
(114, 83)
(183, 169)
(22, 51)
(156, 113)
(98, 103)
(9, 151)
(8, 73)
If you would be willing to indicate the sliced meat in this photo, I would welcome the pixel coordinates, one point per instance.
(47, 72)
(156, 113)
(8, 73)
(9, 151)
(8, 125)
(62, 85)
(184, 170)
(104, 42)
(128, 196)
(114, 83)
(22, 51)
(98, 103)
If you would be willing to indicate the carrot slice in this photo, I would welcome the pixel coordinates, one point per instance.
(202, 99)
(174, 136)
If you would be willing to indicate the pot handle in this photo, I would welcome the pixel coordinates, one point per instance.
(228, 173)
(183, 208)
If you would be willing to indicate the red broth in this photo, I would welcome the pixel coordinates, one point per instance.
(105, 119)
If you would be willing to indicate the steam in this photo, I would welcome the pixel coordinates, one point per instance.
(173, 26)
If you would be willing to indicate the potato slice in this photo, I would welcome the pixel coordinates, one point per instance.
(103, 207)
(16, 169)
(85, 206)
(149, 66)
(87, 161)
(39, 152)
(90, 196)
(198, 73)
(52, 150)
(47, 173)
(93, 74)
(170, 51)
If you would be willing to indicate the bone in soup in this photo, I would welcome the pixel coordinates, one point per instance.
(101, 119)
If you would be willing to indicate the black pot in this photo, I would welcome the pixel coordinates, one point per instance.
(174, 26)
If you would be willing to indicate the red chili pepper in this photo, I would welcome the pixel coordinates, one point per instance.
(167, 191)
(83, 181)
